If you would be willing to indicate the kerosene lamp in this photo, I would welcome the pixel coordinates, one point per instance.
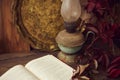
(70, 40)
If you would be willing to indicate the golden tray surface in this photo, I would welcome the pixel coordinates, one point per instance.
(39, 22)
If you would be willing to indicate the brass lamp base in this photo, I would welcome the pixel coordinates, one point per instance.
(67, 58)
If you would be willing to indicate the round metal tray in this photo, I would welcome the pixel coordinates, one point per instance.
(38, 21)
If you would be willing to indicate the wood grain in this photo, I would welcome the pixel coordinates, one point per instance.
(10, 40)
(10, 60)
(1, 35)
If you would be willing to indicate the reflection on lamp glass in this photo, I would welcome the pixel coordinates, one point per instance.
(70, 10)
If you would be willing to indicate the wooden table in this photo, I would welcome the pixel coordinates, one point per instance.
(9, 60)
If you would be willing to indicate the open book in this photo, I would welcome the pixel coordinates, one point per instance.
(44, 68)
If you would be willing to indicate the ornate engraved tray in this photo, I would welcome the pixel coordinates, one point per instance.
(39, 21)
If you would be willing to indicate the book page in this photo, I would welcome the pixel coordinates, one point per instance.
(50, 68)
(18, 72)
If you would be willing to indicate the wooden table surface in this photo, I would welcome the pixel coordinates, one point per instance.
(9, 60)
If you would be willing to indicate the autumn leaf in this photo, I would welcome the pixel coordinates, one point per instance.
(114, 69)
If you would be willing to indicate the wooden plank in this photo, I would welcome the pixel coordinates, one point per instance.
(0, 19)
(1, 29)
(11, 40)
(13, 55)
(10, 60)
